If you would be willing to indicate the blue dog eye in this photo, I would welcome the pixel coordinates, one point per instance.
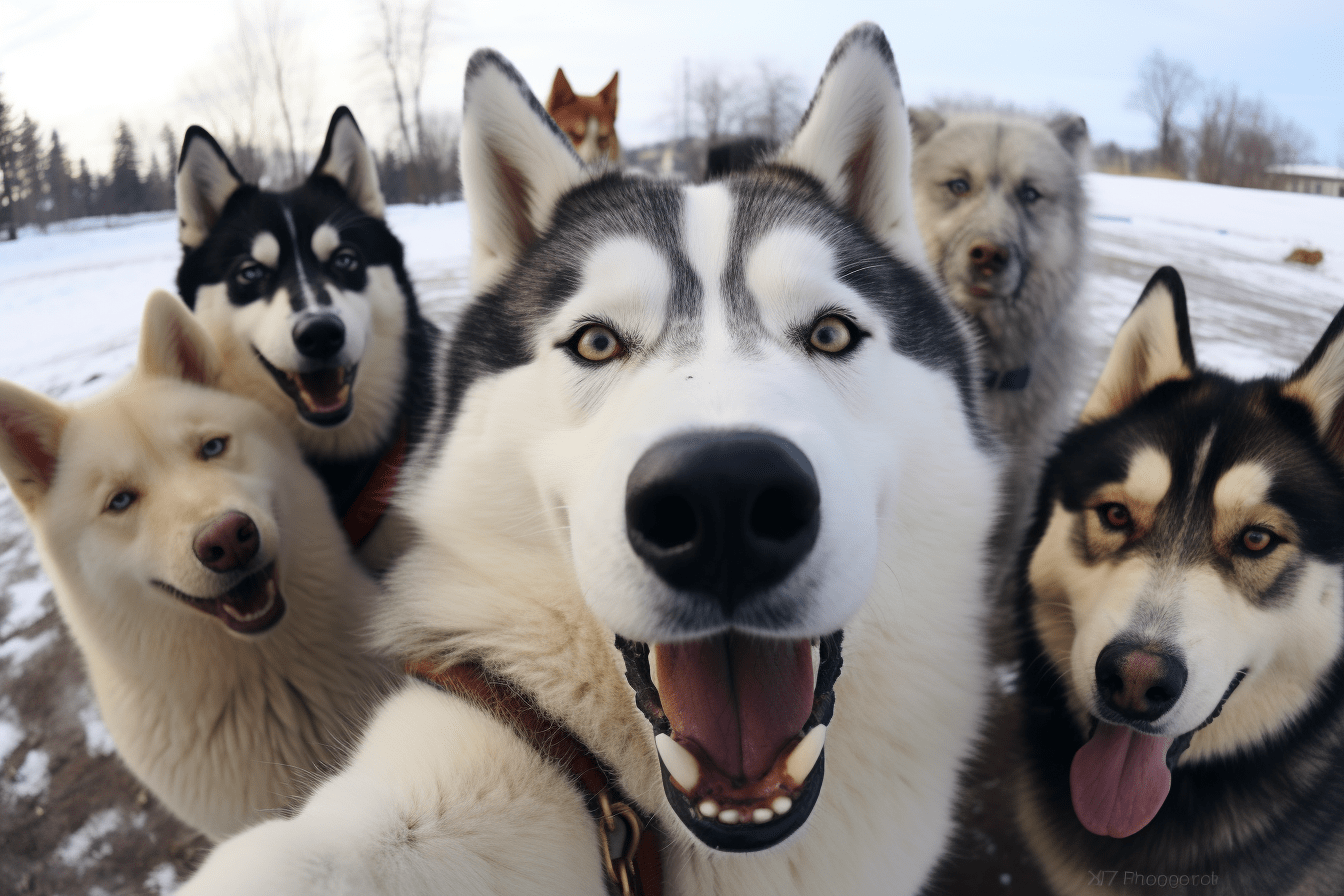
(214, 447)
(121, 500)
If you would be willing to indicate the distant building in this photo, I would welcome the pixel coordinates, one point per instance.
(1324, 180)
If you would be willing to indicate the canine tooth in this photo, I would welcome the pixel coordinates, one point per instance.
(709, 809)
(761, 816)
(730, 816)
(804, 756)
(782, 805)
(681, 765)
(653, 665)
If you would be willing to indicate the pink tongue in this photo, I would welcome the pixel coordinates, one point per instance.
(740, 699)
(1119, 780)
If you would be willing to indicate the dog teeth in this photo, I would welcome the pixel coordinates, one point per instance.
(681, 766)
(653, 666)
(781, 805)
(252, 617)
(805, 755)
(709, 809)
(730, 816)
(761, 816)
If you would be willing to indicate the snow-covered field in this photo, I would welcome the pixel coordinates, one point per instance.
(70, 303)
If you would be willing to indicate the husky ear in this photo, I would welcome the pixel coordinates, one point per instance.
(924, 123)
(1153, 346)
(205, 181)
(1071, 131)
(515, 166)
(855, 139)
(174, 344)
(608, 94)
(30, 441)
(346, 157)
(561, 93)
(1319, 384)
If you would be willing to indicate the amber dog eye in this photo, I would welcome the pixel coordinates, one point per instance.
(1114, 516)
(1257, 541)
(597, 343)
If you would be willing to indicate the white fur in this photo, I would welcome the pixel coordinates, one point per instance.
(524, 564)
(227, 730)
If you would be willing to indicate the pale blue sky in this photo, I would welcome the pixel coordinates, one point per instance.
(79, 65)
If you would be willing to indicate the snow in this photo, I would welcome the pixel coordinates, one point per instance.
(71, 299)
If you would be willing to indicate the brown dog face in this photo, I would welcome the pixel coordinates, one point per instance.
(588, 121)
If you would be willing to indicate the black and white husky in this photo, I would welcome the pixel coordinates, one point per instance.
(306, 295)
(1183, 614)
(688, 437)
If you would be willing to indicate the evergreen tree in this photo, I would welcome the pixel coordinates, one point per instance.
(83, 196)
(126, 192)
(27, 171)
(7, 172)
(158, 191)
(59, 184)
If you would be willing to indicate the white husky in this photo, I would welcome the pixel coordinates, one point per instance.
(686, 436)
(201, 572)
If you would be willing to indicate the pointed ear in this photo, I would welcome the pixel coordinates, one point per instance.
(1071, 130)
(608, 94)
(205, 181)
(1319, 384)
(30, 441)
(347, 158)
(855, 139)
(924, 123)
(1153, 346)
(515, 166)
(174, 344)
(561, 93)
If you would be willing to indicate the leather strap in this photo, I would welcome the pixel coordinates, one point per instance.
(373, 499)
(637, 870)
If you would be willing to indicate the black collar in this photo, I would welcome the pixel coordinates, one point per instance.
(1008, 380)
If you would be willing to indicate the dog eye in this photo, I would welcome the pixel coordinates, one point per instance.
(959, 187)
(1028, 194)
(832, 334)
(250, 272)
(345, 260)
(214, 447)
(121, 501)
(597, 343)
(1258, 542)
(1114, 516)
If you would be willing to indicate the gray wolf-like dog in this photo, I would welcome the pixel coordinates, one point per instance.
(1000, 205)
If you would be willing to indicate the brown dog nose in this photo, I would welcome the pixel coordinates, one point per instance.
(227, 542)
(988, 258)
(1139, 683)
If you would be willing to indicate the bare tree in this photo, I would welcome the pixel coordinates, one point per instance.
(713, 94)
(404, 47)
(1238, 139)
(281, 41)
(775, 106)
(1166, 86)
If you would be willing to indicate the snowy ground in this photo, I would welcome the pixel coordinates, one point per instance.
(72, 821)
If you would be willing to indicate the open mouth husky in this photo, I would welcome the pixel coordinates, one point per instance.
(307, 297)
(1183, 614)
(708, 492)
(197, 564)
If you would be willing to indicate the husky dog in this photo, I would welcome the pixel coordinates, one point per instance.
(1183, 617)
(588, 121)
(1000, 205)
(202, 575)
(691, 435)
(307, 298)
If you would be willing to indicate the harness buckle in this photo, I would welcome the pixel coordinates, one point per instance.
(620, 866)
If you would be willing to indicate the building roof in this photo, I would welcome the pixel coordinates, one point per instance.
(1324, 172)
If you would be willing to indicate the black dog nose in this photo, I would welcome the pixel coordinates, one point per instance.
(1139, 683)
(320, 336)
(988, 258)
(723, 513)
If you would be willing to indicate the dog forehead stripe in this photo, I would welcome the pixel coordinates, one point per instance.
(326, 239)
(266, 249)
